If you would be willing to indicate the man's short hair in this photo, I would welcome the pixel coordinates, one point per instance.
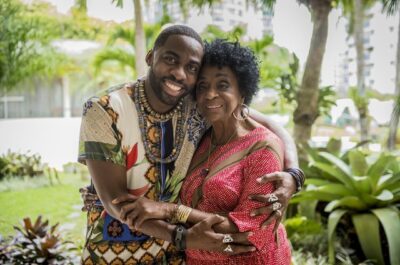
(176, 30)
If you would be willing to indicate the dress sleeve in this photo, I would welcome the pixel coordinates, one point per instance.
(99, 137)
(257, 164)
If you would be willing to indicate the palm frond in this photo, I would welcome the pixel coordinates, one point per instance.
(390, 6)
(123, 57)
(122, 33)
(118, 3)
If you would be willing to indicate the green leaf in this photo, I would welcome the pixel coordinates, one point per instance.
(333, 220)
(363, 184)
(337, 162)
(387, 181)
(390, 221)
(370, 242)
(316, 195)
(377, 169)
(358, 163)
(337, 174)
(385, 195)
(338, 189)
(317, 182)
(350, 202)
(334, 145)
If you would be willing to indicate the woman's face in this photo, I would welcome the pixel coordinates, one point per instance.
(217, 93)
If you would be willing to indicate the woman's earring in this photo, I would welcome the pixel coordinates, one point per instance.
(244, 113)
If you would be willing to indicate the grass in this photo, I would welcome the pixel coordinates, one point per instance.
(60, 203)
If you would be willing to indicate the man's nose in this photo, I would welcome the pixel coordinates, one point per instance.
(179, 73)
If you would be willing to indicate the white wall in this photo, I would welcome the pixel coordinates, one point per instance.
(55, 139)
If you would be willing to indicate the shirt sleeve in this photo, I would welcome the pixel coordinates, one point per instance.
(257, 164)
(99, 137)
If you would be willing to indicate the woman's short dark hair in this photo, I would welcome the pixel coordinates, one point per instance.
(241, 60)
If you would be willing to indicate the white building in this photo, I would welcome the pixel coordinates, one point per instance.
(380, 43)
(226, 15)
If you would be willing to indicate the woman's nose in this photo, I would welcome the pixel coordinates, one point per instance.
(211, 93)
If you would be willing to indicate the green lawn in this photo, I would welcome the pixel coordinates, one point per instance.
(59, 203)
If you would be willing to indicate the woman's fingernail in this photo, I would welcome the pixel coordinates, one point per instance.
(253, 249)
(259, 179)
(252, 214)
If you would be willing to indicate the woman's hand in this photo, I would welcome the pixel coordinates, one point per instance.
(202, 236)
(136, 210)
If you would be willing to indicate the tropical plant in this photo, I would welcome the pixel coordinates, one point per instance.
(20, 164)
(25, 49)
(212, 32)
(364, 187)
(121, 45)
(37, 243)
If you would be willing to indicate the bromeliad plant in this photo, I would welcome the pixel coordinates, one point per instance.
(366, 187)
(37, 243)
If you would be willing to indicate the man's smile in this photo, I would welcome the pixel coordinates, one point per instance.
(172, 88)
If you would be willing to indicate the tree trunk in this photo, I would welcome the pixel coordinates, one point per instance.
(359, 44)
(307, 97)
(140, 40)
(394, 121)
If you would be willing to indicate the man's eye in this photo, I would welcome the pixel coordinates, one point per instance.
(170, 59)
(193, 68)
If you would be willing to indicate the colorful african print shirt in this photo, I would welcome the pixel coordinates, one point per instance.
(110, 132)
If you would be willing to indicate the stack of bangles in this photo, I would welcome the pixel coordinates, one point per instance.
(298, 176)
(179, 217)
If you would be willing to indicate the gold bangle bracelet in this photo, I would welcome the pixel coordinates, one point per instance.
(182, 214)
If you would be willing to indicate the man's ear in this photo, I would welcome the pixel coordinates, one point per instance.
(149, 57)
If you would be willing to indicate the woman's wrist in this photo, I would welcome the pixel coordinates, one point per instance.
(169, 210)
(299, 177)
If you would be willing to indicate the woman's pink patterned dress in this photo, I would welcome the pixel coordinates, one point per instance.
(227, 192)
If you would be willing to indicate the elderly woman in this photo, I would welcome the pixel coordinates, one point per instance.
(234, 153)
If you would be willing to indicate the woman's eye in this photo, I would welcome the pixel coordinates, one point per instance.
(223, 86)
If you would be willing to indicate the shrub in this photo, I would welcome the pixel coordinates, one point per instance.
(364, 187)
(18, 165)
(37, 243)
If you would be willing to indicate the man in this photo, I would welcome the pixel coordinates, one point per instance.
(139, 139)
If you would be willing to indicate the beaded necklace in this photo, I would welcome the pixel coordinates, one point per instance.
(145, 112)
(157, 116)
